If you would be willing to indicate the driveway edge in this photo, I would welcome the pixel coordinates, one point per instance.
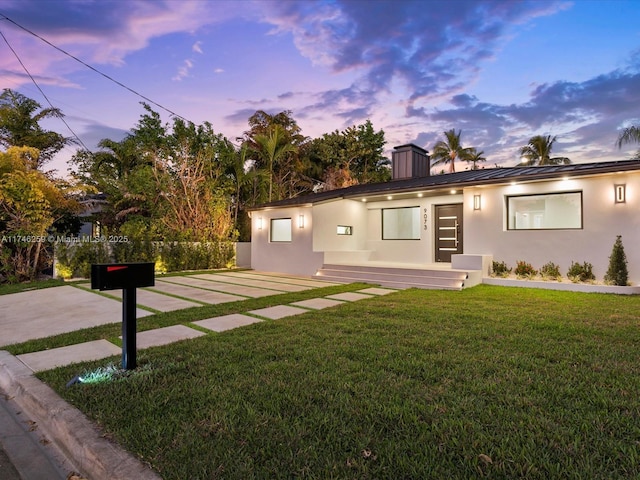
(67, 427)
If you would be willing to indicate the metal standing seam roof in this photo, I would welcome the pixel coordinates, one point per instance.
(467, 178)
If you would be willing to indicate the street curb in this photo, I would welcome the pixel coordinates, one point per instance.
(67, 427)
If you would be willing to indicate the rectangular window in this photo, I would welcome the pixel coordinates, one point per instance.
(401, 223)
(554, 211)
(344, 230)
(280, 230)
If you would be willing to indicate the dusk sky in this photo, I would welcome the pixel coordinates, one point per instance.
(499, 71)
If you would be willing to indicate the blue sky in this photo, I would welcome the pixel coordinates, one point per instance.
(499, 71)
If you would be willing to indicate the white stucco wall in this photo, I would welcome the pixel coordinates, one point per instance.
(406, 251)
(486, 230)
(295, 257)
(327, 217)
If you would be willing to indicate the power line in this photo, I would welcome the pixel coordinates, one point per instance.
(171, 112)
(43, 94)
(93, 68)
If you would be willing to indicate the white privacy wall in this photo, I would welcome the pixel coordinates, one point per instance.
(485, 231)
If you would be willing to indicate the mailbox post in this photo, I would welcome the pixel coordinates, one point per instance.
(128, 277)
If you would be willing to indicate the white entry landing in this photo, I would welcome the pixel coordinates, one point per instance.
(406, 275)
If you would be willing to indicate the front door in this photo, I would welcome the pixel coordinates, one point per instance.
(448, 231)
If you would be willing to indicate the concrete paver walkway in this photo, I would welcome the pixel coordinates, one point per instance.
(42, 313)
(58, 357)
(51, 311)
(227, 322)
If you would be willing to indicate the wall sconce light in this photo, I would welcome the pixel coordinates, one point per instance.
(259, 223)
(300, 221)
(620, 193)
(477, 202)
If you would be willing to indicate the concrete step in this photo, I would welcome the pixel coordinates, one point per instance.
(395, 277)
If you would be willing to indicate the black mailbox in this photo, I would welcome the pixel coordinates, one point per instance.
(128, 277)
(115, 276)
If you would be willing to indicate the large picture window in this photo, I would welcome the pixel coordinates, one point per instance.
(280, 230)
(401, 223)
(554, 211)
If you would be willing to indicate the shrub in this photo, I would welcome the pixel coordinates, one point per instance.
(550, 271)
(525, 270)
(617, 273)
(500, 269)
(581, 272)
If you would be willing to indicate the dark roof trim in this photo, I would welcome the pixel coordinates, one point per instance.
(468, 178)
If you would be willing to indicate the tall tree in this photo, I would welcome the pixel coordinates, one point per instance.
(446, 151)
(30, 204)
(352, 156)
(629, 135)
(538, 152)
(273, 147)
(473, 156)
(165, 181)
(286, 170)
(20, 119)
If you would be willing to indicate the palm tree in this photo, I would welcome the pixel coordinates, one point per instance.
(447, 151)
(472, 155)
(274, 146)
(629, 135)
(538, 152)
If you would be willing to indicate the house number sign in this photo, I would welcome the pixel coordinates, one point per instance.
(424, 220)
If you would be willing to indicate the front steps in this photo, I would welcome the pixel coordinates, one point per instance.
(398, 277)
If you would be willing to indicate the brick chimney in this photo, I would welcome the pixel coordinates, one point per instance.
(409, 161)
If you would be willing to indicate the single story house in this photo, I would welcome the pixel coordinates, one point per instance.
(420, 224)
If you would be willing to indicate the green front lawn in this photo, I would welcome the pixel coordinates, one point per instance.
(488, 382)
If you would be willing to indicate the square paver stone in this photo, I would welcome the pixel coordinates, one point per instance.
(377, 291)
(227, 322)
(349, 296)
(279, 311)
(59, 357)
(317, 303)
(165, 335)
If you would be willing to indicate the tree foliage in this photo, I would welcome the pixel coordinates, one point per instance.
(446, 151)
(20, 118)
(30, 204)
(166, 181)
(352, 156)
(617, 272)
(538, 152)
(473, 156)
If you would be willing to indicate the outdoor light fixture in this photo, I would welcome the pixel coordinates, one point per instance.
(301, 221)
(477, 202)
(260, 223)
(453, 192)
(620, 192)
(389, 197)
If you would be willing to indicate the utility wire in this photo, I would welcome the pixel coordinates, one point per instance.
(43, 94)
(93, 68)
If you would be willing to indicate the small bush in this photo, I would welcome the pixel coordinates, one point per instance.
(500, 269)
(581, 272)
(617, 273)
(525, 270)
(550, 271)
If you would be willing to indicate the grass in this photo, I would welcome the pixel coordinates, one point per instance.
(7, 289)
(489, 382)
